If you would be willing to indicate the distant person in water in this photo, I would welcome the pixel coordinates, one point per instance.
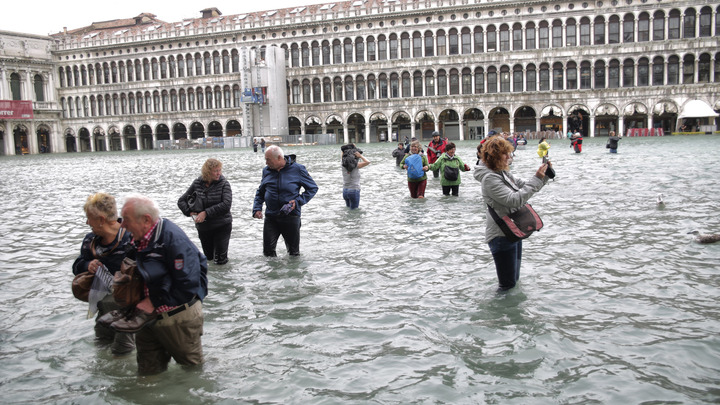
(576, 142)
(612, 142)
(543, 147)
(399, 153)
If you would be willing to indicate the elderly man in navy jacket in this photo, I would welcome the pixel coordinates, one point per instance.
(279, 189)
(169, 321)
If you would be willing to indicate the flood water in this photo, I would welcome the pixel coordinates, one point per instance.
(395, 302)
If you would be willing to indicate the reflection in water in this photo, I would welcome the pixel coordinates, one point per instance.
(396, 301)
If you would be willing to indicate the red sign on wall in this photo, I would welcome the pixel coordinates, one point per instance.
(16, 110)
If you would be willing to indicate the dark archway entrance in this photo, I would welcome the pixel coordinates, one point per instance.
(43, 140)
(21, 141)
(130, 138)
(233, 128)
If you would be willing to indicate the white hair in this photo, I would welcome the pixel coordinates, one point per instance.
(141, 205)
(274, 150)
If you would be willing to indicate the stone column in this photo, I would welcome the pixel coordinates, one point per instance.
(9, 140)
(92, 142)
(412, 132)
(591, 130)
(346, 136)
(28, 87)
(367, 134)
(621, 126)
(4, 91)
(137, 141)
(461, 129)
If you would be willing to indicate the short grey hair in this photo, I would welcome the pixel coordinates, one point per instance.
(141, 206)
(275, 151)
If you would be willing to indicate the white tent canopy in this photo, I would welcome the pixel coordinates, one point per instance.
(697, 109)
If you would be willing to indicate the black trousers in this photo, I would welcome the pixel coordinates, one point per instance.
(447, 189)
(286, 225)
(215, 243)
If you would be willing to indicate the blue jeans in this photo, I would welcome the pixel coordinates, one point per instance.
(613, 150)
(352, 198)
(507, 256)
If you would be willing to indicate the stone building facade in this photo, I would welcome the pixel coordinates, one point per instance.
(376, 70)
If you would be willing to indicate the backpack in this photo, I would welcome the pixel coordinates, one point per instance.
(415, 166)
(349, 160)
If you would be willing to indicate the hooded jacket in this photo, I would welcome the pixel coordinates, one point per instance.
(504, 198)
(446, 161)
(277, 188)
(217, 200)
(172, 266)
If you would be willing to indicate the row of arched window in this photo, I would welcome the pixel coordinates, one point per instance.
(505, 37)
(191, 99)
(557, 33)
(198, 64)
(518, 78)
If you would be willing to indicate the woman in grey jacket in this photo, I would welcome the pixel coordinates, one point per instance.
(214, 221)
(505, 194)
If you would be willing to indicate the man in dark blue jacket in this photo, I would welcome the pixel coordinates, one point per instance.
(169, 320)
(279, 189)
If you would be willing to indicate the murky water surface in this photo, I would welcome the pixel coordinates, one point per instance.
(395, 302)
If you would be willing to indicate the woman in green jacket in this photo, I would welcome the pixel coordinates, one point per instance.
(450, 167)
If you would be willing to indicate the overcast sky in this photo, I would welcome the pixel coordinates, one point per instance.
(49, 17)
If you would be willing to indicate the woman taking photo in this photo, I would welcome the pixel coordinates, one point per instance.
(505, 194)
(211, 196)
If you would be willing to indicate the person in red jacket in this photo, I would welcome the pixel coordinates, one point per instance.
(436, 147)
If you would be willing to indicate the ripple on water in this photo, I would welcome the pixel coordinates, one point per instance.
(395, 302)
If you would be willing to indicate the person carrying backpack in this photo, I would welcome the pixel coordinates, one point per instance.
(450, 167)
(416, 165)
(352, 161)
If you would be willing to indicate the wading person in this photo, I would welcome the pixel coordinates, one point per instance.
(449, 165)
(436, 147)
(352, 161)
(505, 194)
(416, 166)
(543, 147)
(279, 190)
(612, 142)
(212, 217)
(103, 250)
(169, 319)
(398, 153)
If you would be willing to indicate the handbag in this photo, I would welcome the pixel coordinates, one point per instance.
(519, 224)
(128, 285)
(195, 202)
(81, 285)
